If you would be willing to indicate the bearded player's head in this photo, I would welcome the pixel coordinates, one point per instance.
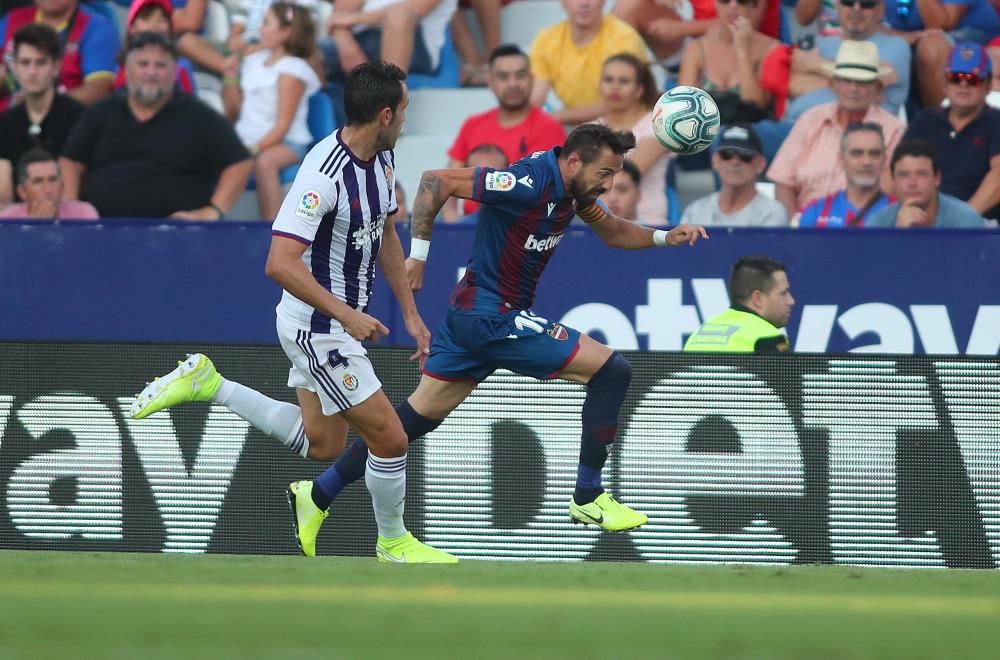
(593, 153)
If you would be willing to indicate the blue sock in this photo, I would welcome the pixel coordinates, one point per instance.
(351, 465)
(605, 395)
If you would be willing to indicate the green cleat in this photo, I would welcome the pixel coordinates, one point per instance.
(194, 379)
(307, 516)
(406, 549)
(606, 512)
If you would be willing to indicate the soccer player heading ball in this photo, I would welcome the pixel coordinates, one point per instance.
(525, 211)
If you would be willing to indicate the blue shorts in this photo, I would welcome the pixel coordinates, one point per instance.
(472, 346)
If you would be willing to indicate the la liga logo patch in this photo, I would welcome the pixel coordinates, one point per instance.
(308, 205)
(500, 181)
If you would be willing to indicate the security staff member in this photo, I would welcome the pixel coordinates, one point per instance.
(761, 305)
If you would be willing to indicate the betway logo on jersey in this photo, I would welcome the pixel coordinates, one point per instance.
(543, 244)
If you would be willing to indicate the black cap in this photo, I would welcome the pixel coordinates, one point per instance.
(142, 39)
(740, 137)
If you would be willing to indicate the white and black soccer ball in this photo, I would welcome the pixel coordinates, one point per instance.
(685, 120)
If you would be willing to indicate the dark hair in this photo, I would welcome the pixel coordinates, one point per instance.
(858, 127)
(643, 74)
(506, 50)
(302, 41)
(751, 274)
(918, 149)
(370, 88)
(587, 140)
(489, 148)
(630, 168)
(138, 40)
(30, 158)
(148, 10)
(41, 37)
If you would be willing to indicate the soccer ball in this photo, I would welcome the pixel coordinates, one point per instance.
(685, 120)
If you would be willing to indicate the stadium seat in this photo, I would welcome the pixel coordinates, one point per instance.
(416, 153)
(447, 74)
(442, 111)
(216, 26)
(521, 21)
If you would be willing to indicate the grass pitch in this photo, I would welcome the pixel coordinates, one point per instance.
(69, 605)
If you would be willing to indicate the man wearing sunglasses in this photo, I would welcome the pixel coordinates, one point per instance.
(966, 134)
(932, 27)
(860, 20)
(738, 161)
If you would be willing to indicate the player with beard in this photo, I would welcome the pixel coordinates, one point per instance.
(525, 211)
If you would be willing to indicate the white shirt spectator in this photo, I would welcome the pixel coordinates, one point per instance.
(260, 97)
(761, 212)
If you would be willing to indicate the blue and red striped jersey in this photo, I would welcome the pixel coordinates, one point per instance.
(525, 212)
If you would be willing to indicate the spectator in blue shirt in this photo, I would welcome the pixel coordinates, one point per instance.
(917, 178)
(966, 134)
(862, 156)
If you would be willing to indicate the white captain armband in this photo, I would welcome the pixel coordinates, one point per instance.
(419, 248)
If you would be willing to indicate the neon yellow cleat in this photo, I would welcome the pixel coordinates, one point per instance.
(194, 379)
(308, 517)
(407, 549)
(606, 512)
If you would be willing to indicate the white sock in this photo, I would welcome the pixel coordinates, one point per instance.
(278, 419)
(386, 481)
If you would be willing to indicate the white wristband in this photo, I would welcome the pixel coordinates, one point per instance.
(419, 249)
(659, 238)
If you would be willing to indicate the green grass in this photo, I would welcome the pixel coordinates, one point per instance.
(68, 605)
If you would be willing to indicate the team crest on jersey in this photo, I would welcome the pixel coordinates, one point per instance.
(350, 382)
(308, 205)
(500, 181)
(558, 332)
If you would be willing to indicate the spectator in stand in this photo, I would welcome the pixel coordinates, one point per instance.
(739, 162)
(270, 99)
(154, 16)
(629, 93)
(863, 158)
(917, 178)
(932, 27)
(43, 118)
(154, 153)
(90, 43)
(625, 193)
(806, 166)
(517, 127)
(407, 33)
(475, 67)
(966, 134)
(666, 24)
(568, 57)
(485, 155)
(860, 20)
(40, 185)
(726, 64)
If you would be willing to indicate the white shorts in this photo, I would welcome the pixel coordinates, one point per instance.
(334, 366)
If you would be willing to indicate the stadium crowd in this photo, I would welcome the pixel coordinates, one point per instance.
(879, 113)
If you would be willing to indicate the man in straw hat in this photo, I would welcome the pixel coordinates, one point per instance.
(807, 166)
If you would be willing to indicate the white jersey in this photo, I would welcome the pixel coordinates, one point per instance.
(337, 206)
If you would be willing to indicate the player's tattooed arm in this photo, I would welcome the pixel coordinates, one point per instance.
(436, 186)
(621, 233)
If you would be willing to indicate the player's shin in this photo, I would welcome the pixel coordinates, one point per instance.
(351, 465)
(280, 420)
(386, 481)
(605, 395)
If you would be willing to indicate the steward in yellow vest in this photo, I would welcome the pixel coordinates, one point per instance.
(762, 304)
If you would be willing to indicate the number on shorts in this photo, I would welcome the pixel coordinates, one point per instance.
(524, 320)
(336, 359)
